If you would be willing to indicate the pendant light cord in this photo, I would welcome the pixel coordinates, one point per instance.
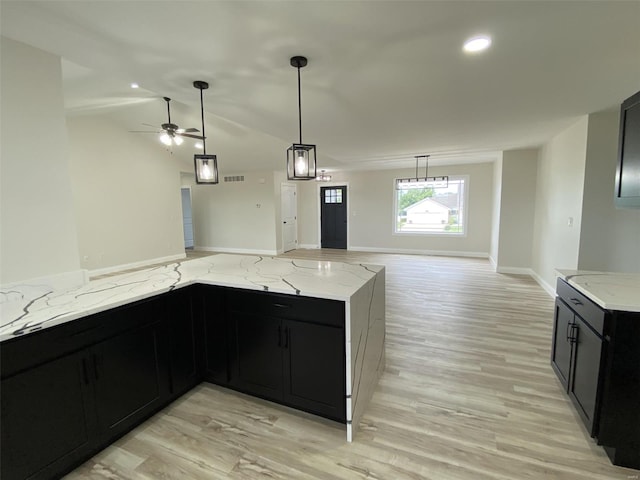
(299, 107)
(204, 141)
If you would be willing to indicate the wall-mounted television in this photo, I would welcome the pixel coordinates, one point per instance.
(628, 171)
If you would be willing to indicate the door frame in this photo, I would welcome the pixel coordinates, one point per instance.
(319, 185)
(193, 228)
(288, 184)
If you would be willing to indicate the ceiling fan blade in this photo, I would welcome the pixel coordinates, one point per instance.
(199, 137)
(141, 131)
(149, 125)
(190, 130)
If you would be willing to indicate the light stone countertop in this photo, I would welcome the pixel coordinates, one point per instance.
(26, 308)
(610, 290)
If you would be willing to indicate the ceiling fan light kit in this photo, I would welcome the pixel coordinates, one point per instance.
(301, 157)
(206, 166)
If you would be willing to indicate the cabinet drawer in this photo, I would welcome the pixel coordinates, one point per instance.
(591, 313)
(317, 310)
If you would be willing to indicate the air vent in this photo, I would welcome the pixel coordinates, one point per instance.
(234, 178)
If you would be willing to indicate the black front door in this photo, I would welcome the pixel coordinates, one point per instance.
(333, 217)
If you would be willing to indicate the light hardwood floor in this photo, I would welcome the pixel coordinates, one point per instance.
(468, 393)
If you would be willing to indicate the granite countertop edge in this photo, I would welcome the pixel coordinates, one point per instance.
(613, 291)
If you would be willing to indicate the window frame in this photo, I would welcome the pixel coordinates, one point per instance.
(465, 213)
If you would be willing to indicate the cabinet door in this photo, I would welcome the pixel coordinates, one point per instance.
(47, 418)
(583, 387)
(215, 349)
(131, 379)
(314, 368)
(182, 342)
(256, 355)
(562, 334)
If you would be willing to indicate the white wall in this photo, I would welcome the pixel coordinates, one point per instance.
(517, 210)
(559, 189)
(127, 196)
(371, 222)
(610, 237)
(236, 216)
(38, 236)
(495, 215)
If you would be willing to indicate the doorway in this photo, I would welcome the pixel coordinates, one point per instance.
(187, 217)
(289, 217)
(333, 217)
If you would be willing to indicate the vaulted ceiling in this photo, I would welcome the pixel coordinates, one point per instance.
(386, 80)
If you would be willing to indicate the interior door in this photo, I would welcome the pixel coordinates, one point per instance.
(333, 217)
(289, 217)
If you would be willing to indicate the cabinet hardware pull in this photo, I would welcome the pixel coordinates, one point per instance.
(85, 371)
(279, 336)
(286, 337)
(575, 301)
(281, 305)
(568, 332)
(95, 365)
(574, 336)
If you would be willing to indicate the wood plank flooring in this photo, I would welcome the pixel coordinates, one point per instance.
(468, 393)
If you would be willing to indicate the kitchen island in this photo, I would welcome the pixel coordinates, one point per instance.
(227, 319)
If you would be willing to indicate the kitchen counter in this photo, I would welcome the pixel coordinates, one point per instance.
(29, 308)
(610, 290)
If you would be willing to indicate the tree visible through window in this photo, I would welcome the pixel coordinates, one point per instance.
(422, 208)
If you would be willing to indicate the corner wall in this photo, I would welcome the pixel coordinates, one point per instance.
(38, 235)
(126, 196)
(236, 217)
(517, 210)
(610, 237)
(559, 191)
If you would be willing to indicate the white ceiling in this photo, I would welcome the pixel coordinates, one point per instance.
(386, 80)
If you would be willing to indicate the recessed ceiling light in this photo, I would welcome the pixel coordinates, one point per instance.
(135, 85)
(477, 44)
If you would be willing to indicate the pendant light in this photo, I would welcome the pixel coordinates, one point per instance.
(422, 182)
(206, 166)
(301, 157)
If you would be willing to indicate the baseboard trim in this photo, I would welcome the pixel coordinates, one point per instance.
(241, 251)
(309, 246)
(440, 253)
(493, 263)
(547, 288)
(142, 263)
(515, 270)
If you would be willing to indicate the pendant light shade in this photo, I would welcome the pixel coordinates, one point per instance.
(301, 157)
(206, 166)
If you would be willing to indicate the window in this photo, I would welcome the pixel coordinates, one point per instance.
(333, 195)
(421, 208)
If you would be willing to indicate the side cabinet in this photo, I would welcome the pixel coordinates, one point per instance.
(71, 390)
(48, 419)
(289, 349)
(596, 357)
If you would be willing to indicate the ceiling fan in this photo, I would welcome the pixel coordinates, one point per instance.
(170, 132)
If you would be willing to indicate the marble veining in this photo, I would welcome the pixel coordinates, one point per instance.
(610, 290)
(25, 308)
